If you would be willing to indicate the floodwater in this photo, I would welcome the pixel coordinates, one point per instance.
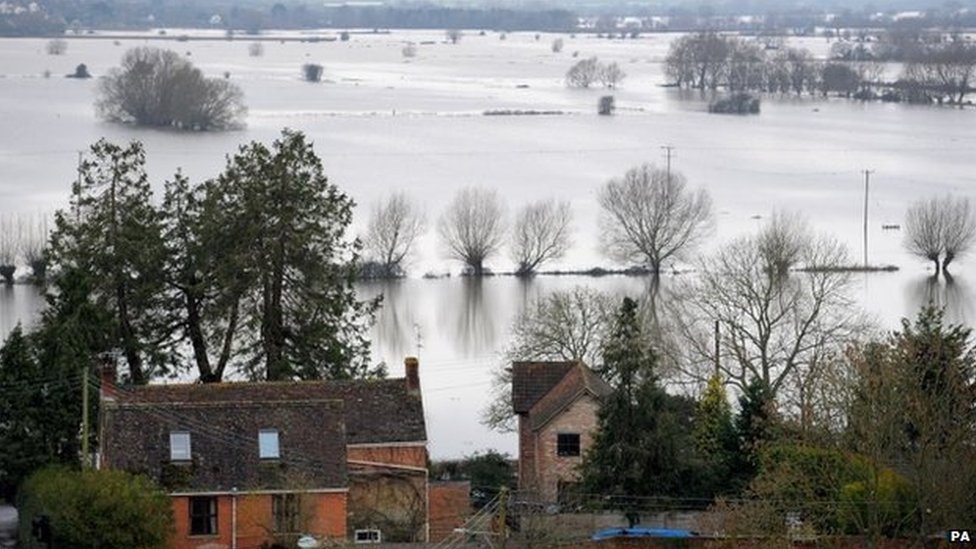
(383, 123)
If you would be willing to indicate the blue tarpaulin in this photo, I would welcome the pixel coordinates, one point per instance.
(641, 532)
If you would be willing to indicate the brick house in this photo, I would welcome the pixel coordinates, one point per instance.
(556, 404)
(247, 463)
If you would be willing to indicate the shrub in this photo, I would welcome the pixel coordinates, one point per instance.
(739, 103)
(344, 36)
(81, 71)
(156, 87)
(409, 50)
(57, 46)
(557, 45)
(312, 72)
(606, 105)
(95, 509)
(255, 49)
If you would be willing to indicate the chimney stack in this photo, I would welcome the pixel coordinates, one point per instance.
(412, 368)
(108, 372)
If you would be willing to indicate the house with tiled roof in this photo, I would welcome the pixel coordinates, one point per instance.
(249, 463)
(556, 404)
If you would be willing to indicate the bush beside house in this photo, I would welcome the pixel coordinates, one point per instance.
(95, 509)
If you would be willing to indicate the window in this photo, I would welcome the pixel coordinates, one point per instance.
(286, 509)
(268, 444)
(368, 536)
(203, 516)
(179, 446)
(567, 444)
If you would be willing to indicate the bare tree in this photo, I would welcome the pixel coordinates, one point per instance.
(9, 240)
(473, 227)
(453, 35)
(584, 73)
(778, 329)
(649, 216)
(255, 49)
(33, 238)
(940, 229)
(557, 45)
(562, 325)
(611, 75)
(783, 241)
(540, 234)
(57, 46)
(394, 226)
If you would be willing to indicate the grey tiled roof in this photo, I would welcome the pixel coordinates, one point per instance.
(376, 411)
(532, 380)
(224, 443)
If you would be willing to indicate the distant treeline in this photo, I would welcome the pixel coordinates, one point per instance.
(54, 17)
(449, 18)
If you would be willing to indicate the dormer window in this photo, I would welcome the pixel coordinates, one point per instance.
(179, 446)
(268, 444)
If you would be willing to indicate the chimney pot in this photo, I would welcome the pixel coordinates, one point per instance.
(108, 372)
(412, 368)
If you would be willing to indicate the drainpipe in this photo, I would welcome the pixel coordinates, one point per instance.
(233, 518)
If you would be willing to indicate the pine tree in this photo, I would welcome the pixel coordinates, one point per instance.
(300, 317)
(642, 446)
(112, 237)
(714, 437)
(756, 425)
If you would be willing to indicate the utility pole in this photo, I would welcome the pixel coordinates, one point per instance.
(667, 154)
(867, 182)
(84, 416)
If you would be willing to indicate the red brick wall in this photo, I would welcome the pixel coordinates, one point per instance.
(579, 417)
(450, 507)
(326, 517)
(526, 462)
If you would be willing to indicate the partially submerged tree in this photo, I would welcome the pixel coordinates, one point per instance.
(584, 73)
(155, 87)
(649, 216)
(394, 226)
(940, 229)
(473, 227)
(453, 35)
(312, 72)
(611, 75)
(8, 249)
(540, 234)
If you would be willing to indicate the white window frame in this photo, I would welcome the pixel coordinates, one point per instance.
(369, 536)
(176, 450)
(265, 442)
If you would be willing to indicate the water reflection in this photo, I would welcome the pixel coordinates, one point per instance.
(464, 314)
(949, 293)
(396, 325)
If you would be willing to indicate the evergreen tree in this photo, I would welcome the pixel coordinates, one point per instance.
(642, 445)
(714, 437)
(299, 316)
(756, 425)
(112, 237)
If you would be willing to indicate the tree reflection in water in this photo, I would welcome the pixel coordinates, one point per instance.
(952, 294)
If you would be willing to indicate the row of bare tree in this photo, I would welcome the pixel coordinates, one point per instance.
(472, 230)
(649, 217)
(706, 60)
(23, 241)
